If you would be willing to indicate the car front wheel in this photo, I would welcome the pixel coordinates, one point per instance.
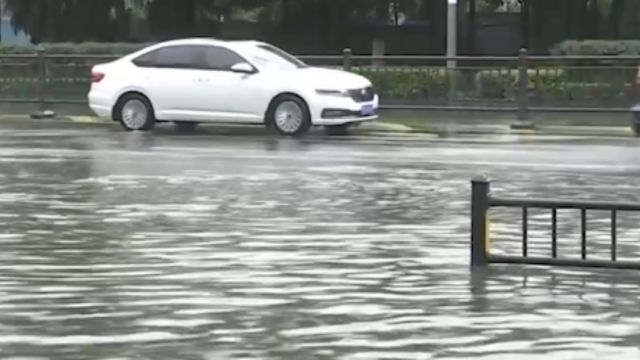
(290, 115)
(135, 113)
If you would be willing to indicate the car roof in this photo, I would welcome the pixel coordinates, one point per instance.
(209, 41)
(193, 41)
(236, 44)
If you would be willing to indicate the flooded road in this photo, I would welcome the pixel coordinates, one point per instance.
(167, 246)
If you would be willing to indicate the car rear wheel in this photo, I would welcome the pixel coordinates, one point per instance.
(290, 115)
(135, 113)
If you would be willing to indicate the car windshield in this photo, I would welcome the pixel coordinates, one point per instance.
(271, 56)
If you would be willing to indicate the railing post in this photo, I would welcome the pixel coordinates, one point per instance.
(346, 59)
(42, 80)
(452, 77)
(523, 85)
(480, 189)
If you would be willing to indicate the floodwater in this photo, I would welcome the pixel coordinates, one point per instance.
(167, 246)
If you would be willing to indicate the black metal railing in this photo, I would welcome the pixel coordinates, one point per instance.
(519, 84)
(482, 201)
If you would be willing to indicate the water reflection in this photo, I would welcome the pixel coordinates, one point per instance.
(162, 246)
(138, 140)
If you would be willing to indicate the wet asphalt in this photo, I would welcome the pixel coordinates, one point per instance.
(236, 243)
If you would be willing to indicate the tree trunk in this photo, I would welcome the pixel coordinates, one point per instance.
(122, 20)
(628, 27)
(615, 18)
(188, 23)
(50, 17)
(382, 10)
(594, 15)
(568, 20)
(525, 21)
(438, 22)
(286, 10)
(581, 17)
(471, 27)
(341, 24)
(537, 19)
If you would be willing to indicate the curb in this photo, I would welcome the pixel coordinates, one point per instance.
(86, 120)
(461, 129)
(381, 127)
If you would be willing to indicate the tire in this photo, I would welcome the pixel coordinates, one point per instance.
(186, 126)
(338, 130)
(290, 115)
(135, 113)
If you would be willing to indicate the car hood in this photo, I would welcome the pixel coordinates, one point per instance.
(330, 79)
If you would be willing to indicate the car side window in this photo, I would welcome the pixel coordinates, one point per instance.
(146, 60)
(219, 58)
(177, 57)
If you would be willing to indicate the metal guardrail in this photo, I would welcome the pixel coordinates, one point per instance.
(519, 84)
(482, 201)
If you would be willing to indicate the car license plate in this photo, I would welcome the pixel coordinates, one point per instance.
(367, 110)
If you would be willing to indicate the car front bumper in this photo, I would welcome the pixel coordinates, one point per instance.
(334, 110)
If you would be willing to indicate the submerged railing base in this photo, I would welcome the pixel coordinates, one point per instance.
(541, 261)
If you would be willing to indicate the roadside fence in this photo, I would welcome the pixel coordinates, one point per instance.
(513, 84)
(483, 201)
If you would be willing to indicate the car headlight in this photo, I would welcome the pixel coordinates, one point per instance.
(343, 93)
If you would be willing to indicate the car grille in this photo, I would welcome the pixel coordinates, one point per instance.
(362, 95)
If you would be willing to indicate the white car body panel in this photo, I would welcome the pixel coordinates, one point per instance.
(226, 96)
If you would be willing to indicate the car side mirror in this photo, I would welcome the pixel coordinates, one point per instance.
(244, 68)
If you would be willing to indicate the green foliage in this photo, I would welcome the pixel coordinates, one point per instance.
(88, 48)
(407, 83)
(550, 86)
(553, 85)
(505, 82)
(596, 48)
(111, 20)
(600, 75)
(70, 20)
(428, 83)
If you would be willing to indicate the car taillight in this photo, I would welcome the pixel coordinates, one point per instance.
(96, 77)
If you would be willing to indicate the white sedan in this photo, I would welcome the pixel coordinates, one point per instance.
(204, 80)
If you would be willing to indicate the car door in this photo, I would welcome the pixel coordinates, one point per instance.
(170, 76)
(229, 95)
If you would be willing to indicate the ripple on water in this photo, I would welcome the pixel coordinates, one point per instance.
(137, 338)
(192, 251)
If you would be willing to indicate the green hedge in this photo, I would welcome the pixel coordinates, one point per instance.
(407, 83)
(596, 48)
(412, 85)
(551, 82)
(565, 48)
(77, 49)
(610, 70)
(547, 86)
(418, 83)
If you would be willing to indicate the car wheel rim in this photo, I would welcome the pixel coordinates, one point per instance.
(289, 116)
(134, 114)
